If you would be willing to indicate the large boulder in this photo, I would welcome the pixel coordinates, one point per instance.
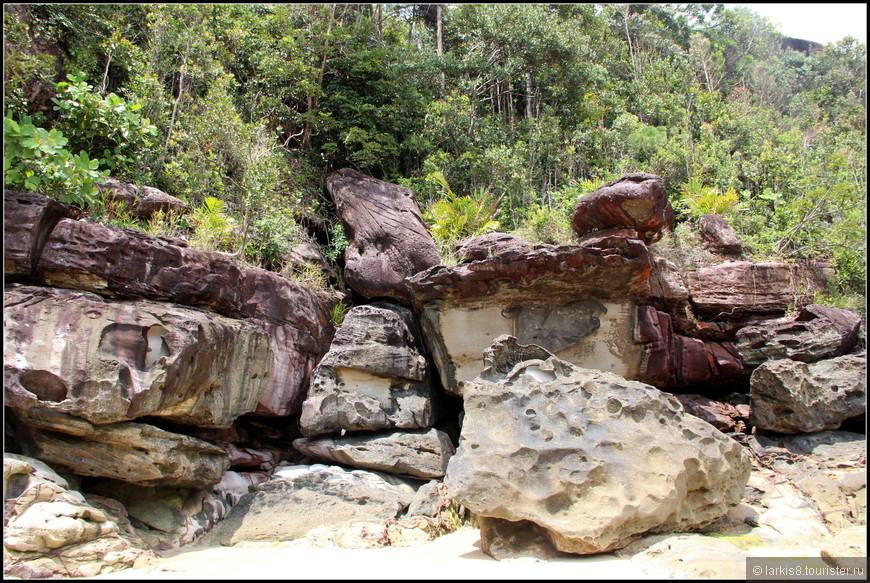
(388, 238)
(51, 531)
(140, 201)
(576, 301)
(300, 499)
(636, 201)
(108, 361)
(795, 397)
(28, 220)
(485, 246)
(747, 289)
(422, 454)
(373, 377)
(130, 452)
(593, 459)
(816, 332)
(718, 236)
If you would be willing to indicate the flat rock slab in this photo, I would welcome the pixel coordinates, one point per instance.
(303, 498)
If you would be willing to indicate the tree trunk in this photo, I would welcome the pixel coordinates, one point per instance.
(439, 11)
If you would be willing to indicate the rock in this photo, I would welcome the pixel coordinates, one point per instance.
(816, 332)
(130, 452)
(671, 360)
(505, 539)
(489, 245)
(667, 289)
(723, 416)
(794, 397)
(637, 201)
(718, 236)
(592, 458)
(388, 238)
(108, 361)
(373, 377)
(431, 499)
(691, 556)
(744, 289)
(575, 301)
(142, 201)
(848, 549)
(303, 498)
(423, 454)
(28, 219)
(127, 264)
(50, 530)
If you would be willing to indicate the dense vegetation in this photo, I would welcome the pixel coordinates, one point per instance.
(498, 116)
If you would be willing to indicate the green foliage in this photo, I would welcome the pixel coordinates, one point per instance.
(697, 199)
(338, 312)
(213, 228)
(337, 243)
(36, 160)
(453, 218)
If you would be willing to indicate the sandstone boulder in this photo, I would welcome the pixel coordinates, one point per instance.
(816, 332)
(422, 454)
(795, 397)
(107, 361)
(130, 452)
(723, 416)
(28, 219)
(373, 377)
(718, 236)
(388, 238)
(141, 201)
(745, 289)
(485, 246)
(637, 201)
(575, 301)
(300, 499)
(592, 458)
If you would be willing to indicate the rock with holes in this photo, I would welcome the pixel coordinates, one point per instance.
(373, 377)
(107, 361)
(423, 454)
(388, 238)
(636, 201)
(592, 459)
(795, 397)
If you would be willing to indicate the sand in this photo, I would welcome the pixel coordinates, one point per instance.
(450, 557)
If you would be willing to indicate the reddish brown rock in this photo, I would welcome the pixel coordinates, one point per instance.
(485, 246)
(636, 201)
(723, 416)
(718, 236)
(672, 360)
(389, 240)
(667, 289)
(142, 201)
(28, 220)
(743, 289)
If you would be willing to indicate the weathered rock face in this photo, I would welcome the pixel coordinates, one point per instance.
(303, 498)
(373, 377)
(593, 459)
(718, 236)
(28, 220)
(389, 240)
(131, 452)
(142, 201)
(423, 454)
(793, 397)
(637, 201)
(576, 301)
(51, 531)
(127, 264)
(817, 332)
(672, 360)
(485, 246)
(725, 417)
(744, 289)
(108, 361)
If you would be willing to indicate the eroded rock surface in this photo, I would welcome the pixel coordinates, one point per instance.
(373, 377)
(718, 236)
(388, 238)
(594, 459)
(28, 220)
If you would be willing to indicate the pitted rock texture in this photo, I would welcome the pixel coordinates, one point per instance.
(389, 240)
(107, 361)
(637, 201)
(130, 452)
(795, 397)
(300, 499)
(816, 332)
(592, 458)
(423, 454)
(373, 377)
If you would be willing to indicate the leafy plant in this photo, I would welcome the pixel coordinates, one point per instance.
(453, 218)
(698, 199)
(36, 160)
(213, 227)
(337, 243)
